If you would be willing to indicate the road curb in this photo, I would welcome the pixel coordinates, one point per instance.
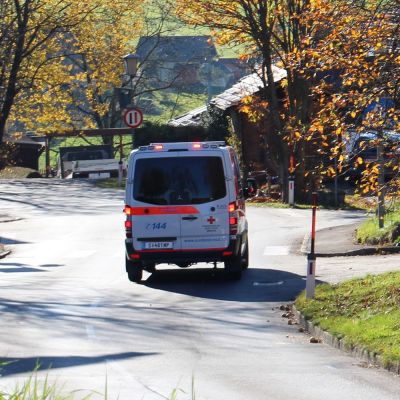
(364, 251)
(362, 353)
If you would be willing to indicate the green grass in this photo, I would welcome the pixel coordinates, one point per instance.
(34, 388)
(370, 233)
(171, 104)
(111, 183)
(364, 312)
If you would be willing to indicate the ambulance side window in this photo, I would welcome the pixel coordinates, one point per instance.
(236, 170)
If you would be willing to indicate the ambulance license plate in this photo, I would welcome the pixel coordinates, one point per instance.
(158, 245)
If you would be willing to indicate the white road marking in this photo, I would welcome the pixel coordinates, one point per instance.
(276, 250)
(268, 283)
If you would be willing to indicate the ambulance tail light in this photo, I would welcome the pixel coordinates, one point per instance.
(233, 218)
(128, 228)
(127, 210)
(128, 222)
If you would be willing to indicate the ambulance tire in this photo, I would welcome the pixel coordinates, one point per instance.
(245, 256)
(150, 267)
(233, 268)
(134, 270)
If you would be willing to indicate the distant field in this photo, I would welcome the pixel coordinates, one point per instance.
(174, 28)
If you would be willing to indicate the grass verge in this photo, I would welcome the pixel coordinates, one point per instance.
(111, 183)
(370, 233)
(364, 312)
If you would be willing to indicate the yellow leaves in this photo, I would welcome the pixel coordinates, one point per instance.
(254, 107)
(331, 171)
(70, 91)
(359, 161)
(245, 109)
(353, 114)
(318, 126)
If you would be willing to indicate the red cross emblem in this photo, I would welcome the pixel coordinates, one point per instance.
(211, 220)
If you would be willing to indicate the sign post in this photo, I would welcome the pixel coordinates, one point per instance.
(291, 180)
(133, 117)
(311, 258)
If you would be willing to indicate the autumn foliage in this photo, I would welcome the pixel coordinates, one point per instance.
(342, 59)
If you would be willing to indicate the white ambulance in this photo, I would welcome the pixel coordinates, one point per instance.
(184, 205)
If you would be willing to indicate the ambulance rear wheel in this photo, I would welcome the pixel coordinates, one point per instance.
(233, 267)
(245, 257)
(134, 270)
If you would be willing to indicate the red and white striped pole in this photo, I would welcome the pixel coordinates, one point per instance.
(291, 181)
(311, 259)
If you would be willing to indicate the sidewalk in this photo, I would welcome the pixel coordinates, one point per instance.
(339, 241)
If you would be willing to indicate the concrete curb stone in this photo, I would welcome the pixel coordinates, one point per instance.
(362, 353)
(335, 244)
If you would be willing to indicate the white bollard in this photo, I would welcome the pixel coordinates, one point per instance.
(291, 192)
(310, 282)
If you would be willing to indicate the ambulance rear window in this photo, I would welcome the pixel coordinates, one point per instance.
(179, 180)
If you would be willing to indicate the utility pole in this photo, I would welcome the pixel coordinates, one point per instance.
(381, 180)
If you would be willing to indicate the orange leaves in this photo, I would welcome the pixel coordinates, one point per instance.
(254, 107)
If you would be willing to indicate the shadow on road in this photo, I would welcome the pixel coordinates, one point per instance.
(256, 284)
(45, 195)
(13, 366)
(4, 240)
(9, 267)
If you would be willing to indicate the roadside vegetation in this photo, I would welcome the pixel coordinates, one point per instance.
(364, 312)
(370, 233)
(111, 183)
(35, 389)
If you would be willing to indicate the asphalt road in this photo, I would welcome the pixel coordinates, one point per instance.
(65, 301)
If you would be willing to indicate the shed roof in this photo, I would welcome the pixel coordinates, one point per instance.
(192, 118)
(246, 86)
(23, 139)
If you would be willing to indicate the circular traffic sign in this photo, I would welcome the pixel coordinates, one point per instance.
(133, 117)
